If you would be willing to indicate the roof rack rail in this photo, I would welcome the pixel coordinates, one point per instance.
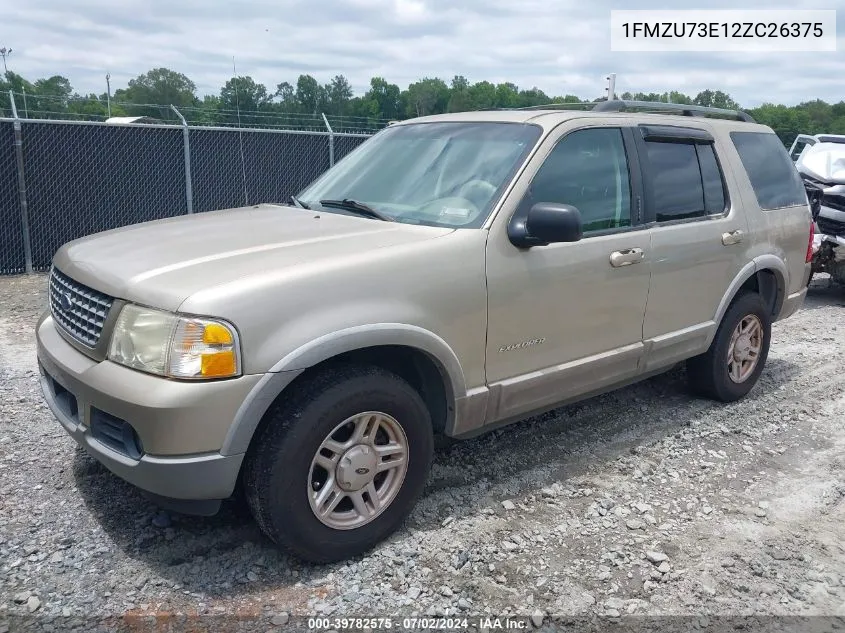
(684, 109)
(559, 105)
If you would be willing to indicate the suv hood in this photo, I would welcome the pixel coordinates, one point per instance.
(163, 262)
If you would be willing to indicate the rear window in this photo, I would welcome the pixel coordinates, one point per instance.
(773, 176)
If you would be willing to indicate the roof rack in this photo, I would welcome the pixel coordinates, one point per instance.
(554, 106)
(678, 108)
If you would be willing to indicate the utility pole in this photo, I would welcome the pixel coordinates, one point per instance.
(108, 93)
(611, 87)
(3, 53)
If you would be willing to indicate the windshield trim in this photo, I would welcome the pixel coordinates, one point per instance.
(535, 137)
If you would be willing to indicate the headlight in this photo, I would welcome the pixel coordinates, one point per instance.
(171, 345)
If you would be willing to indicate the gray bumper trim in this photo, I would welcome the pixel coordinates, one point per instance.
(190, 477)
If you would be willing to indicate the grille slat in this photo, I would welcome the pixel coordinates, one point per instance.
(79, 310)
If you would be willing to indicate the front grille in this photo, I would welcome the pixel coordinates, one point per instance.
(78, 310)
(830, 227)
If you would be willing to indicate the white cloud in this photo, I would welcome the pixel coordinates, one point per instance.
(560, 47)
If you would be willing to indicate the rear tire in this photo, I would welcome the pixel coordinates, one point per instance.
(367, 495)
(727, 371)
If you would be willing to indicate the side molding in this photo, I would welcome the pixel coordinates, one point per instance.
(328, 346)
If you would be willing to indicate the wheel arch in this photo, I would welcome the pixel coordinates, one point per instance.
(765, 274)
(418, 355)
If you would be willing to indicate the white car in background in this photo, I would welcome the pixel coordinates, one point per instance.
(820, 159)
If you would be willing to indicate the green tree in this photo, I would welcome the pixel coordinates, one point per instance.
(382, 100)
(785, 121)
(310, 95)
(460, 99)
(50, 95)
(153, 92)
(338, 93)
(482, 95)
(427, 96)
(715, 99)
(507, 95)
(15, 83)
(241, 100)
(93, 107)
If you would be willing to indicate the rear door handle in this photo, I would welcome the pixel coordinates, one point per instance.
(734, 237)
(627, 257)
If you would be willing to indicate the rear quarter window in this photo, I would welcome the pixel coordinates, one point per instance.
(773, 176)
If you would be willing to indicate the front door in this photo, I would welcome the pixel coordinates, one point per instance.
(566, 318)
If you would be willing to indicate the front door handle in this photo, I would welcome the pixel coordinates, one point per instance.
(734, 237)
(627, 257)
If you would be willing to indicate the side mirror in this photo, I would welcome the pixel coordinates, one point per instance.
(546, 223)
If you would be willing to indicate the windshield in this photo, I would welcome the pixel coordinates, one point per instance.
(441, 174)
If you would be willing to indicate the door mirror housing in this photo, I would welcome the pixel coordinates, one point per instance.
(546, 223)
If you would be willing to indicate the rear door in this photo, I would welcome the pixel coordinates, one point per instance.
(699, 237)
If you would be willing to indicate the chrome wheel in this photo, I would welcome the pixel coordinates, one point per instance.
(744, 349)
(358, 470)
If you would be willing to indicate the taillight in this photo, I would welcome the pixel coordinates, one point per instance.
(810, 243)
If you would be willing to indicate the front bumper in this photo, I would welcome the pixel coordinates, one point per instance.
(163, 436)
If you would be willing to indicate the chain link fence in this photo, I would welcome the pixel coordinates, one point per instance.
(83, 178)
(345, 143)
(86, 177)
(275, 165)
(12, 259)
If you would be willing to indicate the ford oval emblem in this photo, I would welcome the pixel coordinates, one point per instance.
(362, 471)
(64, 301)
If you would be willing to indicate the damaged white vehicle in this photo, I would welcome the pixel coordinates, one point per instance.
(820, 160)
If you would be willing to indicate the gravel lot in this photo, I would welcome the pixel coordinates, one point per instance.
(645, 501)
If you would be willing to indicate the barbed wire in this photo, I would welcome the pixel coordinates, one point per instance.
(197, 108)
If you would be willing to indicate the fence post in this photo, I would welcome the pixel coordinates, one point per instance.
(27, 245)
(331, 140)
(186, 141)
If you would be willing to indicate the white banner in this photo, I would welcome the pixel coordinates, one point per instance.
(740, 31)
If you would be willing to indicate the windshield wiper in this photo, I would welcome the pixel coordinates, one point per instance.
(357, 207)
(299, 203)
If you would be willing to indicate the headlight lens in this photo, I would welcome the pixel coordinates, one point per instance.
(170, 345)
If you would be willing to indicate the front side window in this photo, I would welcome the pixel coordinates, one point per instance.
(443, 174)
(588, 169)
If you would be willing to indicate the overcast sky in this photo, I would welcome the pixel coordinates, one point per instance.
(560, 46)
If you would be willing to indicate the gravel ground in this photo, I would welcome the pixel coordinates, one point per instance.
(646, 501)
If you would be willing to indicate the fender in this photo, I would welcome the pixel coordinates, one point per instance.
(759, 263)
(328, 346)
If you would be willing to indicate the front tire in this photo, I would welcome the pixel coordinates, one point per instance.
(340, 462)
(738, 353)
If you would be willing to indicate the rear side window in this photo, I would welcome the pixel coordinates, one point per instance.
(711, 178)
(773, 176)
(685, 180)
